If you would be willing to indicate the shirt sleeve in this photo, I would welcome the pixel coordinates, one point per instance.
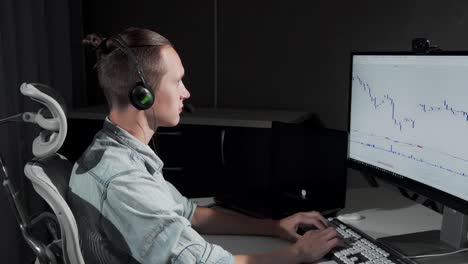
(143, 213)
(189, 205)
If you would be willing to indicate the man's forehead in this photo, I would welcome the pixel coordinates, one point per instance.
(172, 60)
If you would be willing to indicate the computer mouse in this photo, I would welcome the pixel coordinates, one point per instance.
(350, 217)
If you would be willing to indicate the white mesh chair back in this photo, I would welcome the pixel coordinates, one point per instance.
(50, 177)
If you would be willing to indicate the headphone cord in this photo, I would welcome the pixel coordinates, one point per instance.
(142, 130)
(155, 147)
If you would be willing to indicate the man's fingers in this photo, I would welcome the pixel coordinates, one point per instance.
(318, 216)
(314, 222)
(295, 237)
(330, 233)
(343, 243)
(333, 243)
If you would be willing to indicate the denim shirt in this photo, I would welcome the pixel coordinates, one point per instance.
(126, 212)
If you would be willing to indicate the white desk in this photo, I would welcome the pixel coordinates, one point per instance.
(385, 212)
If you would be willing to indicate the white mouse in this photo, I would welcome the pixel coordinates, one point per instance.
(350, 217)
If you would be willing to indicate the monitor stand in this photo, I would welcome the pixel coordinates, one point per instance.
(451, 237)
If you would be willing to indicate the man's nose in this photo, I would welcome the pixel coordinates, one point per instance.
(185, 92)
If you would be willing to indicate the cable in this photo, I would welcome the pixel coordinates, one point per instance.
(155, 148)
(437, 255)
(10, 118)
(152, 138)
(154, 145)
(142, 130)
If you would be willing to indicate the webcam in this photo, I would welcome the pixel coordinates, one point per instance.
(423, 46)
(420, 45)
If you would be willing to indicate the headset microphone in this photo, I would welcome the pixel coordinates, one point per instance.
(189, 108)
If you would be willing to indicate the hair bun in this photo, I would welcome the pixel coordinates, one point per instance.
(92, 40)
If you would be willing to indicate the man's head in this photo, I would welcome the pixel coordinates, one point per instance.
(158, 62)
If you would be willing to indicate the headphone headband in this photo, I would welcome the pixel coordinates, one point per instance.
(141, 96)
(126, 49)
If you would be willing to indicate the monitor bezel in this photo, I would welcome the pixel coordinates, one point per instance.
(398, 180)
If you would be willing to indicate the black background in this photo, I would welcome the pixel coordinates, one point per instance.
(279, 54)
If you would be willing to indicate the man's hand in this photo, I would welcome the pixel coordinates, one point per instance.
(310, 247)
(314, 244)
(287, 227)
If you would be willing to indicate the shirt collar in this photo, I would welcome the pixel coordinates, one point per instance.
(133, 143)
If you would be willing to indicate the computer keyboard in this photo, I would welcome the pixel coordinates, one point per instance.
(362, 248)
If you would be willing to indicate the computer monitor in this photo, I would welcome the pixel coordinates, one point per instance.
(408, 124)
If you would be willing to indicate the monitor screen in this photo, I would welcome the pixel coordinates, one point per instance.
(409, 118)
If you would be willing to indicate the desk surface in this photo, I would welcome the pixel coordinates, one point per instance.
(259, 118)
(385, 212)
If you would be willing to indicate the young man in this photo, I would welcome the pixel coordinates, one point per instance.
(125, 210)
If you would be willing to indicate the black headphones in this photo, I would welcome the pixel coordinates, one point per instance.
(141, 96)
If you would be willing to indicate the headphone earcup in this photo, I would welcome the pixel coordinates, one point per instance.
(141, 97)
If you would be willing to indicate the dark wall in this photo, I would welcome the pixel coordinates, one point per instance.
(296, 54)
(284, 54)
(34, 47)
(187, 24)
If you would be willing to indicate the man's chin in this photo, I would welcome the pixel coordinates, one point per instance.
(176, 120)
(171, 123)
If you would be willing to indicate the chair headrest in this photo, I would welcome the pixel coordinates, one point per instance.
(51, 118)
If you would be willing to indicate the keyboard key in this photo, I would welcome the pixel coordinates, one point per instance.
(362, 249)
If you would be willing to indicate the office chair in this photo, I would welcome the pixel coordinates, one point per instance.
(49, 174)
